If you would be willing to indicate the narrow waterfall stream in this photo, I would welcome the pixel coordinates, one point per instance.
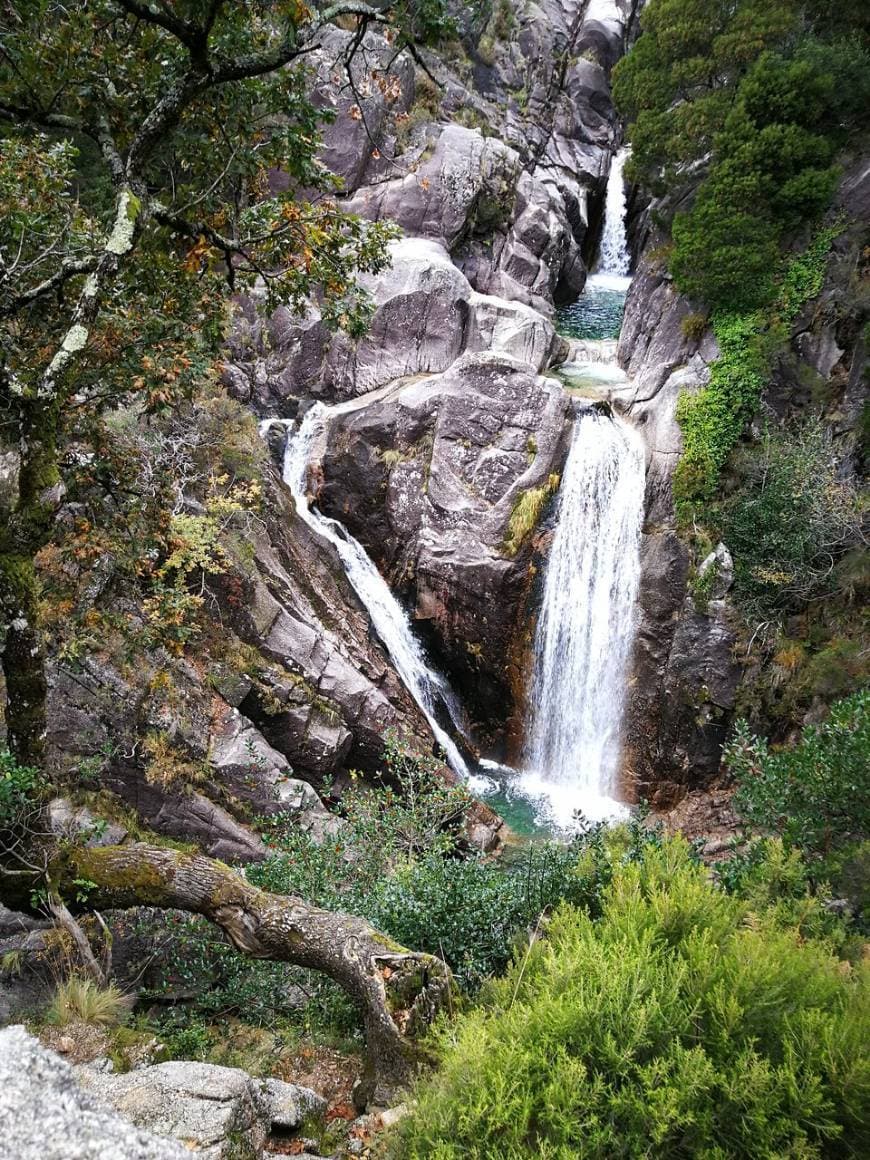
(428, 688)
(597, 313)
(614, 259)
(585, 628)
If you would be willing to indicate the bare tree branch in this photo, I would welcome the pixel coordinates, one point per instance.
(69, 269)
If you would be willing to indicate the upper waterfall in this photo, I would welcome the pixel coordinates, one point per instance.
(614, 259)
(428, 688)
(585, 628)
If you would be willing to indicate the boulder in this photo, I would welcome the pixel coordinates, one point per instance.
(218, 1113)
(427, 478)
(78, 823)
(426, 315)
(716, 573)
(538, 259)
(45, 1115)
(684, 682)
(466, 187)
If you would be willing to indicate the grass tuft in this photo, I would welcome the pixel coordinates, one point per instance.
(79, 1000)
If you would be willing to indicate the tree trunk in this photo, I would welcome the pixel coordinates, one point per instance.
(398, 991)
(40, 491)
(23, 667)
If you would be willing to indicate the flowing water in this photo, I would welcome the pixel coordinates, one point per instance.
(598, 312)
(614, 259)
(585, 627)
(428, 688)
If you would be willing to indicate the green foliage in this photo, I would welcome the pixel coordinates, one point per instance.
(19, 788)
(778, 882)
(472, 912)
(713, 419)
(815, 794)
(22, 791)
(434, 896)
(677, 1024)
(678, 82)
(748, 103)
(412, 812)
(185, 1038)
(789, 520)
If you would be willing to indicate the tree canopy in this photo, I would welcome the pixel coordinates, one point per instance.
(140, 146)
(745, 107)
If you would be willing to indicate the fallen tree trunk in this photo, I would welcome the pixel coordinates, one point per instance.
(398, 991)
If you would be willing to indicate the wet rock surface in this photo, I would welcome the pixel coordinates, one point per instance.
(429, 479)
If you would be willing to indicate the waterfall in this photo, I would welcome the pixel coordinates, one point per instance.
(614, 260)
(585, 628)
(428, 688)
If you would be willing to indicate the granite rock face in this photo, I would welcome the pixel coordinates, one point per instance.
(426, 315)
(217, 1113)
(685, 677)
(45, 1114)
(428, 478)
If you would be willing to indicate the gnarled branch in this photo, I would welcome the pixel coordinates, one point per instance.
(397, 990)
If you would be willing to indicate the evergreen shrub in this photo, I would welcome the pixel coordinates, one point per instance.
(677, 1024)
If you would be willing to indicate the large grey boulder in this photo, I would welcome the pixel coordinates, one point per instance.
(45, 1115)
(538, 259)
(217, 1113)
(426, 315)
(427, 477)
(465, 187)
(237, 747)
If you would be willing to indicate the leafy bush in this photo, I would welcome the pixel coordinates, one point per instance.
(20, 794)
(473, 913)
(195, 960)
(727, 98)
(815, 794)
(672, 1026)
(789, 520)
(713, 419)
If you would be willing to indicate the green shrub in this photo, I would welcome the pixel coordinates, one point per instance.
(713, 419)
(789, 520)
(473, 913)
(694, 326)
(815, 794)
(21, 792)
(183, 1036)
(672, 1026)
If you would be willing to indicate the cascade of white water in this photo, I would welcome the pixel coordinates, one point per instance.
(428, 688)
(585, 628)
(614, 260)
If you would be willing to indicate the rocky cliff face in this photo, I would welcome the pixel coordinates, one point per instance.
(443, 452)
(496, 184)
(494, 174)
(432, 478)
(687, 676)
